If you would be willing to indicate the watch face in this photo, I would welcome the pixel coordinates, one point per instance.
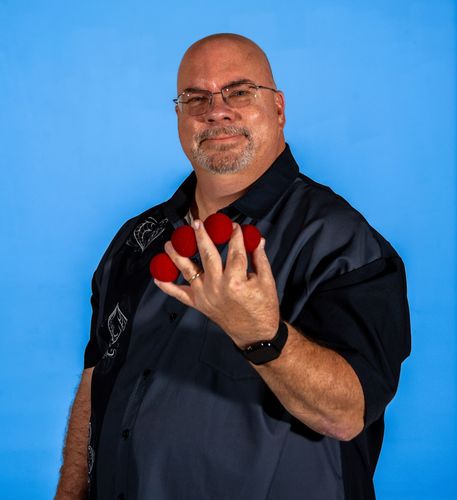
(262, 353)
(267, 350)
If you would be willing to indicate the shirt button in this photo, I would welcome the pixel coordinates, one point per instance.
(173, 316)
(146, 373)
(121, 496)
(125, 433)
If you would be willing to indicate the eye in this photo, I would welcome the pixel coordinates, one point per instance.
(195, 100)
(240, 92)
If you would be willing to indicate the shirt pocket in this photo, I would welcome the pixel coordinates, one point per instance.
(220, 353)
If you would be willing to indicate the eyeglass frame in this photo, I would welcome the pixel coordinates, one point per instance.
(212, 94)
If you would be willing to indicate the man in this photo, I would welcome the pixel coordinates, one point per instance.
(186, 399)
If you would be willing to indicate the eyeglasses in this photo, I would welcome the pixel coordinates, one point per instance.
(198, 102)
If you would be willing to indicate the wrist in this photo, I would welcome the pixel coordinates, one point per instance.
(263, 336)
(267, 349)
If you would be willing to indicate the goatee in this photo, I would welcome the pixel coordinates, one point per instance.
(222, 159)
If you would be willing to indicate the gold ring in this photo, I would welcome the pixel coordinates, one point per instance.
(195, 276)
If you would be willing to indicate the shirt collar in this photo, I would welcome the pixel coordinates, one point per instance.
(261, 195)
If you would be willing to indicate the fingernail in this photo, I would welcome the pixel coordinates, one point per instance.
(262, 244)
(197, 225)
(234, 226)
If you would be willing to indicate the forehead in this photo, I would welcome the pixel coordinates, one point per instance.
(213, 65)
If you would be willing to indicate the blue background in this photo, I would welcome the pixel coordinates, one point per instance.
(88, 139)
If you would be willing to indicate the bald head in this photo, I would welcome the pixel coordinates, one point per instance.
(224, 46)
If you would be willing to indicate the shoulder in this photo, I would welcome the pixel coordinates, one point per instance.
(336, 222)
(330, 237)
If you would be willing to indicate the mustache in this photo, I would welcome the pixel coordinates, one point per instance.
(215, 132)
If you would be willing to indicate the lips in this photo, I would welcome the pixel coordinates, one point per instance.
(224, 138)
(225, 134)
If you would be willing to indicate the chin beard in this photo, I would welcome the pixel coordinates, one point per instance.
(223, 160)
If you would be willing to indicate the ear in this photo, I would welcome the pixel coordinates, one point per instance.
(280, 103)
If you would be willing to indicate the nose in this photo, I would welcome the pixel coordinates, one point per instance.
(219, 111)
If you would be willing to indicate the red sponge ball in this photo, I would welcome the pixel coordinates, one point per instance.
(219, 228)
(251, 236)
(184, 242)
(163, 268)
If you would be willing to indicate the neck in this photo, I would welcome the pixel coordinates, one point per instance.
(215, 192)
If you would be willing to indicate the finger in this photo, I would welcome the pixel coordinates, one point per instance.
(187, 267)
(181, 292)
(209, 254)
(261, 263)
(237, 259)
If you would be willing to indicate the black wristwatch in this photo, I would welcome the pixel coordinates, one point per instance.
(267, 350)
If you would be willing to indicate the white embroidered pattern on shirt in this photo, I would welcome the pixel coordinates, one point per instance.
(146, 232)
(90, 453)
(117, 322)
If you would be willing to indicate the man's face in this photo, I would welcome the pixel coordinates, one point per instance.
(227, 139)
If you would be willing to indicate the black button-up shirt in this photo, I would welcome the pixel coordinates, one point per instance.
(178, 413)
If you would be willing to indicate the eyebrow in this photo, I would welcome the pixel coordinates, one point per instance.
(233, 82)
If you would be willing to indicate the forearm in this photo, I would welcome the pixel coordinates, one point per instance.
(317, 386)
(73, 473)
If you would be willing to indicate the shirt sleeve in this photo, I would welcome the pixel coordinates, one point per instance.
(363, 315)
(92, 352)
(97, 344)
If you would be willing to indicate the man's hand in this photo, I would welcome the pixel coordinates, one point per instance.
(315, 384)
(245, 305)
